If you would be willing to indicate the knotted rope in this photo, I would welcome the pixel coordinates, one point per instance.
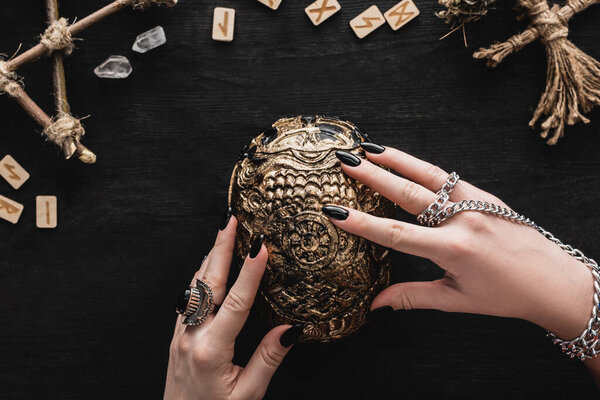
(58, 37)
(64, 131)
(548, 22)
(576, 6)
(573, 77)
(9, 82)
(143, 4)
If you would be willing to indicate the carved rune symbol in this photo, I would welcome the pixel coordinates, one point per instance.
(225, 27)
(11, 170)
(10, 209)
(322, 10)
(401, 13)
(48, 212)
(368, 23)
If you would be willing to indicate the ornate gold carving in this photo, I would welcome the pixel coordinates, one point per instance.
(317, 275)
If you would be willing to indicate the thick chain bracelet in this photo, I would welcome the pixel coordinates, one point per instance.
(586, 345)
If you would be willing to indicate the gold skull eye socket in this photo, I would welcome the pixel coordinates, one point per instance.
(308, 133)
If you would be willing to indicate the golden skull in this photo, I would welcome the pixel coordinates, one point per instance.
(317, 275)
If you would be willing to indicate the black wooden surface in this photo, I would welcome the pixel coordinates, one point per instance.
(86, 310)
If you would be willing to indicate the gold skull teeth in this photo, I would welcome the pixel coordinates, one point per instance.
(283, 187)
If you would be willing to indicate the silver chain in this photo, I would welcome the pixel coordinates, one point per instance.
(586, 345)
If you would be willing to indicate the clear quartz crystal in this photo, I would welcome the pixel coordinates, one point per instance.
(150, 40)
(115, 67)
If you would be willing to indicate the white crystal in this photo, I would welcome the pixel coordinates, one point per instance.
(115, 67)
(150, 40)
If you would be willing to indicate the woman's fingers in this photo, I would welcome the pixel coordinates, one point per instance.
(411, 196)
(401, 236)
(434, 295)
(428, 175)
(255, 378)
(235, 309)
(215, 268)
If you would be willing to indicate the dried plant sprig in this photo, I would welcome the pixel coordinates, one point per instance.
(460, 12)
(142, 4)
(573, 77)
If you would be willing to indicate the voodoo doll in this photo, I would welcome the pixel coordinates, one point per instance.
(573, 77)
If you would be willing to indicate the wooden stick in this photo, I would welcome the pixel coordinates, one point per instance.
(59, 83)
(58, 68)
(32, 108)
(44, 120)
(40, 50)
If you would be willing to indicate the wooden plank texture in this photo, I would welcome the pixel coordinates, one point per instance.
(87, 309)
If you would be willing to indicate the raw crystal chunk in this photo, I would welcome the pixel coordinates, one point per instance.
(150, 40)
(115, 67)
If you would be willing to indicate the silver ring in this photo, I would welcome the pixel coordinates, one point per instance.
(451, 181)
(434, 208)
(196, 303)
(430, 216)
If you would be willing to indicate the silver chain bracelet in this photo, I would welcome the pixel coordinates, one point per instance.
(586, 345)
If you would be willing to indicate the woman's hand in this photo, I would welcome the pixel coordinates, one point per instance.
(493, 266)
(200, 363)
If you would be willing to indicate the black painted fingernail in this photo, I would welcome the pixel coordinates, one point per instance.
(226, 218)
(372, 148)
(335, 212)
(347, 158)
(256, 246)
(291, 336)
(380, 313)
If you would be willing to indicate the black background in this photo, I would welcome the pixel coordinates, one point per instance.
(87, 310)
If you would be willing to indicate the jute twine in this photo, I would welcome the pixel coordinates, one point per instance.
(58, 37)
(143, 4)
(64, 130)
(573, 77)
(9, 81)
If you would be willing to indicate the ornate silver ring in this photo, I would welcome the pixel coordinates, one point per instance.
(196, 303)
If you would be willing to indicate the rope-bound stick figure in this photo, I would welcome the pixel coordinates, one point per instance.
(63, 129)
(573, 77)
